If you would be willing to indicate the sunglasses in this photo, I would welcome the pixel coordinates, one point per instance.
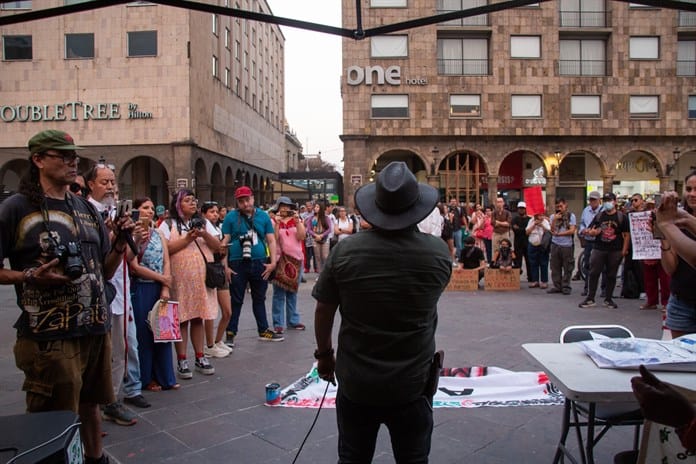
(77, 188)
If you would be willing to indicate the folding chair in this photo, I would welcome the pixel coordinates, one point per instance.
(595, 415)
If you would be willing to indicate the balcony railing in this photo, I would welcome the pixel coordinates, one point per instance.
(585, 18)
(462, 67)
(583, 67)
(686, 68)
(478, 20)
(687, 19)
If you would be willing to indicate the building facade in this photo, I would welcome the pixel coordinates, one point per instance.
(568, 95)
(172, 98)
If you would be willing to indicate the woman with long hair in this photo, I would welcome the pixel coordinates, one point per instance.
(318, 225)
(189, 248)
(151, 279)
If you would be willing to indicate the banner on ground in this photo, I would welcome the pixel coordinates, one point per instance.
(463, 387)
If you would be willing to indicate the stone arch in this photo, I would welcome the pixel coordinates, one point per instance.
(413, 160)
(144, 176)
(230, 185)
(461, 174)
(637, 171)
(11, 173)
(201, 185)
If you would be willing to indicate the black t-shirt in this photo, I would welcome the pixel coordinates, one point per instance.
(471, 257)
(682, 281)
(612, 227)
(521, 223)
(78, 308)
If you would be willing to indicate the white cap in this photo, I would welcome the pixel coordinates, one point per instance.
(521, 204)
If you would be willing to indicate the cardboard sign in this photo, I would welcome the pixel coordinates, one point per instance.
(463, 280)
(495, 279)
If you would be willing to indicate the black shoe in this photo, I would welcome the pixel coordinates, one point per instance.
(229, 339)
(609, 303)
(584, 292)
(553, 290)
(567, 291)
(587, 304)
(138, 401)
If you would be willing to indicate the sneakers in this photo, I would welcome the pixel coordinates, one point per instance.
(215, 352)
(204, 367)
(137, 401)
(183, 369)
(229, 339)
(222, 346)
(609, 303)
(587, 304)
(299, 326)
(278, 329)
(118, 413)
(270, 336)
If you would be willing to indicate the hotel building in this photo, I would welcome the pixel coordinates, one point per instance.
(172, 98)
(568, 95)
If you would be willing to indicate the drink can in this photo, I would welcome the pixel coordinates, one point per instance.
(273, 394)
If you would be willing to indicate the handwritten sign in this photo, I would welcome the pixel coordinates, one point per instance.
(642, 241)
(463, 280)
(495, 279)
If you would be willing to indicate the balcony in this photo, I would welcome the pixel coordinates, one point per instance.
(583, 67)
(584, 18)
(478, 20)
(686, 68)
(462, 67)
(687, 19)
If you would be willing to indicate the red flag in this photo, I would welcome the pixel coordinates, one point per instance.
(534, 200)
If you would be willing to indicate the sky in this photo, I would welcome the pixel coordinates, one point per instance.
(313, 77)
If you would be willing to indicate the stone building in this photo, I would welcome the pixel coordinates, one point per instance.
(568, 95)
(171, 97)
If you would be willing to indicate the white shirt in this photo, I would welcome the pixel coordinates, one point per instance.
(432, 224)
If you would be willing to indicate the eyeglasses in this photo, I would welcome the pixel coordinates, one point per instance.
(67, 156)
(634, 200)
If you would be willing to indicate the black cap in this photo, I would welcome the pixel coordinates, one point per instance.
(609, 196)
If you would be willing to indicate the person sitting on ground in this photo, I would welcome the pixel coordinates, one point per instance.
(504, 257)
(472, 257)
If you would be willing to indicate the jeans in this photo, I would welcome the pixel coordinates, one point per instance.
(521, 249)
(562, 264)
(127, 382)
(284, 303)
(587, 251)
(410, 428)
(248, 272)
(310, 260)
(538, 264)
(602, 260)
(457, 237)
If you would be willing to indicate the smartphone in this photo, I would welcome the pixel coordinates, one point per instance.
(135, 215)
(657, 233)
(124, 207)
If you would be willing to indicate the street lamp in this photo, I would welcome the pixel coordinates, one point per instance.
(676, 153)
(557, 164)
(373, 171)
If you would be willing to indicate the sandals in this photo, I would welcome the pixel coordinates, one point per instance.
(153, 387)
(534, 285)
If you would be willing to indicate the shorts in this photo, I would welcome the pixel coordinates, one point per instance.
(62, 374)
(681, 315)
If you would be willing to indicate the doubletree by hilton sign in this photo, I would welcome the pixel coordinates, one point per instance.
(70, 111)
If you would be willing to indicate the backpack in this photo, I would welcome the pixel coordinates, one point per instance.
(630, 288)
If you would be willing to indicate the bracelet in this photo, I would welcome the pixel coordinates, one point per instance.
(29, 276)
(665, 249)
(323, 354)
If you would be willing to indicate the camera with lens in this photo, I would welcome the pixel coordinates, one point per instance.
(246, 242)
(197, 222)
(70, 257)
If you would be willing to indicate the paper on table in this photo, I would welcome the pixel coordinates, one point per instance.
(629, 353)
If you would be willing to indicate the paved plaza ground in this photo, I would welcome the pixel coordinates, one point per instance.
(222, 418)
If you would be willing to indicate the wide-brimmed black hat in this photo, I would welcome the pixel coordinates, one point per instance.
(283, 201)
(395, 200)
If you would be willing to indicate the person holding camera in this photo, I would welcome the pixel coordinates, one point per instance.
(251, 258)
(318, 225)
(60, 257)
(190, 246)
(290, 233)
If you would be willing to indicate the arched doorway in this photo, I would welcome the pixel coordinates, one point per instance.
(10, 175)
(579, 173)
(144, 176)
(463, 176)
(230, 185)
(636, 172)
(217, 188)
(413, 161)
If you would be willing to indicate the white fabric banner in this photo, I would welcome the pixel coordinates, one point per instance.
(465, 387)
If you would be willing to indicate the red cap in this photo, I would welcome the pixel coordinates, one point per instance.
(243, 191)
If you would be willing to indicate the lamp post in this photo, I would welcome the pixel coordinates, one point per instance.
(676, 153)
(557, 159)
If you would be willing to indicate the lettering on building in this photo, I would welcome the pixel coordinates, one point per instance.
(369, 75)
(69, 111)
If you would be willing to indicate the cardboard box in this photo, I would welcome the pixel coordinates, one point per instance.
(495, 279)
(463, 280)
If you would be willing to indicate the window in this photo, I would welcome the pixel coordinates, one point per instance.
(638, 5)
(253, 69)
(388, 3)
(465, 106)
(644, 106)
(245, 63)
(692, 107)
(583, 13)
(389, 106)
(79, 46)
(526, 106)
(215, 67)
(215, 24)
(585, 106)
(582, 57)
(227, 78)
(253, 101)
(21, 5)
(75, 2)
(227, 38)
(644, 48)
(462, 56)
(686, 58)
(448, 6)
(237, 86)
(687, 18)
(142, 43)
(237, 50)
(246, 94)
(389, 46)
(17, 47)
(522, 46)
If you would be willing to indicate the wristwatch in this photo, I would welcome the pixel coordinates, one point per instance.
(323, 354)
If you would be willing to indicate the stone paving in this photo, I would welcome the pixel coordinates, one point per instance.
(222, 418)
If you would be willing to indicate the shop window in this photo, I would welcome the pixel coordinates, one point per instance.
(522, 46)
(644, 106)
(389, 46)
(389, 106)
(17, 47)
(79, 46)
(465, 106)
(644, 48)
(142, 43)
(585, 106)
(526, 106)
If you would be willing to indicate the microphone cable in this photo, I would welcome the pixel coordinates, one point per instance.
(311, 427)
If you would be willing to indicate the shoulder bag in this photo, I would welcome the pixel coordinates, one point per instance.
(214, 272)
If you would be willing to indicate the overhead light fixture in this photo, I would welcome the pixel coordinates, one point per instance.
(676, 153)
(557, 162)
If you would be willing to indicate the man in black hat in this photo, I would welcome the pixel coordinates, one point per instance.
(388, 300)
(612, 238)
(60, 256)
